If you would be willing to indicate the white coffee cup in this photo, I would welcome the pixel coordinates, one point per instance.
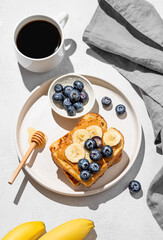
(47, 63)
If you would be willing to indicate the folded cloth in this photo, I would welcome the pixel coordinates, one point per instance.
(128, 35)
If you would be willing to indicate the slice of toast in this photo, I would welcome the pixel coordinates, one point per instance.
(71, 169)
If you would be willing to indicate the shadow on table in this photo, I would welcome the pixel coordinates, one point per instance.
(92, 235)
(93, 201)
(32, 80)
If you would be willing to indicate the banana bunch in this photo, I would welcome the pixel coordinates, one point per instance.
(26, 231)
(71, 230)
(75, 229)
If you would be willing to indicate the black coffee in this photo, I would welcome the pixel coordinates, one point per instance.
(38, 39)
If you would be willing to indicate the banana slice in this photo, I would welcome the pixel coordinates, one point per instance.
(87, 156)
(111, 137)
(94, 131)
(80, 136)
(75, 152)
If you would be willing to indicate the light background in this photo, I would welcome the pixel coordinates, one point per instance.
(116, 214)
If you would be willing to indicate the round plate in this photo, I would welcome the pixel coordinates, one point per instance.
(37, 113)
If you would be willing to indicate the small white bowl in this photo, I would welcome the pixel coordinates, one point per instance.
(69, 79)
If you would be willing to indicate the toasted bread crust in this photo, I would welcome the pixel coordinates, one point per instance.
(71, 169)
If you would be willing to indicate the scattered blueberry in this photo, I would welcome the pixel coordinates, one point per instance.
(106, 151)
(58, 88)
(58, 97)
(66, 103)
(98, 141)
(83, 164)
(71, 111)
(134, 186)
(74, 95)
(106, 101)
(84, 97)
(90, 144)
(78, 106)
(85, 175)
(94, 167)
(95, 155)
(78, 85)
(120, 109)
(67, 90)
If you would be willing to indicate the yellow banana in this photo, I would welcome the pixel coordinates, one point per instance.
(75, 229)
(26, 231)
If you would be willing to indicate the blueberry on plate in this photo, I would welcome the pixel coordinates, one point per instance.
(106, 151)
(120, 109)
(78, 106)
(94, 167)
(95, 155)
(85, 175)
(106, 101)
(67, 90)
(71, 111)
(74, 95)
(90, 144)
(58, 88)
(58, 97)
(134, 186)
(78, 85)
(83, 164)
(84, 97)
(66, 103)
(98, 141)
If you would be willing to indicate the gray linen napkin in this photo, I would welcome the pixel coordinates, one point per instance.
(128, 35)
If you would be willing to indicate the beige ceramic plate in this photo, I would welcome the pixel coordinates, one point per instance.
(37, 113)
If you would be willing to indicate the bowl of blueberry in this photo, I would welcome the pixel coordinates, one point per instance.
(71, 95)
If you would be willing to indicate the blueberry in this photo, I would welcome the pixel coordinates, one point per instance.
(120, 109)
(58, 88)
(58, 97)
(90, 144)
(74, 95)
(67, 103)
(78, 106)
(95, 155)
(106, 101)
(78, 85)
(67, 90)
(134, 186)
(94, 167)
(85, 175)
(106, 151)
(98, 141)
(71, 111)
(84, 97)
(83, 164)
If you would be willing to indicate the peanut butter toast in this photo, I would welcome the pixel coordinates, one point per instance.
(69, 149)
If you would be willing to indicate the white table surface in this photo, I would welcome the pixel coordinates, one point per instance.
(116, 214)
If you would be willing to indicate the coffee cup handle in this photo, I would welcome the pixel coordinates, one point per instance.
(62, 18)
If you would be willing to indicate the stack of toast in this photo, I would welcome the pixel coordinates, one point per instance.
(70, 168)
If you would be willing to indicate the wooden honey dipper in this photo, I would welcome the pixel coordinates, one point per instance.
(37, 139)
